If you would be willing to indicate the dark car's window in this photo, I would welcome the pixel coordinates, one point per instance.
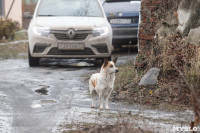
(123, 6)
(89, 8)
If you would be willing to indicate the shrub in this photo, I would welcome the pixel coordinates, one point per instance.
(8, 29)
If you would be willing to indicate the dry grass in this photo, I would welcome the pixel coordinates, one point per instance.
(125, 75)
(124, 127)
(18, 36)
(171, 89)
(13, 51)
(193, 75)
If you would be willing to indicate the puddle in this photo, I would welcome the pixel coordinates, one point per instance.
(36, 105)
(43, 91)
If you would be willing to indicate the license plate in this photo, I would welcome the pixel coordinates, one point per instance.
(120, 21)
(72, 46)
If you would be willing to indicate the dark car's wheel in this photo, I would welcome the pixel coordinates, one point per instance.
(101, 60)
(33, 62)
(109, 58)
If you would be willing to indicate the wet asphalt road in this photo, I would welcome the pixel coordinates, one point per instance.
(54, 97)
(25, 110)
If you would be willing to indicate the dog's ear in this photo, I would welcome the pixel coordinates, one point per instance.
(105, 63)
(115, 60)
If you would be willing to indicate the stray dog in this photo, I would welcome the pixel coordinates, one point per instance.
(101, 84)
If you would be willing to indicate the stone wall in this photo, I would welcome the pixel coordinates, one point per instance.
(163, 17)
(158, 18)
(147, 25)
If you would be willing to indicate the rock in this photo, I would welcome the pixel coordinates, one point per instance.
(171, 19)
(169, 25)
(188, 16)
(194, 36)
(151, 77)
(164, 30)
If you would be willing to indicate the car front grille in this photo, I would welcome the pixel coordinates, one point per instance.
(62, 35)
(124, 32)
(56, 51)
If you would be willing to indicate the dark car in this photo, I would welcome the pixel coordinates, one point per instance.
(123, 16)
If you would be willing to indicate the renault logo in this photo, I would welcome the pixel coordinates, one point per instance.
(120, 14)
(70, 33)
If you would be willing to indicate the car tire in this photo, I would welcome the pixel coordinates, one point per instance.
(33, 62)
(101, 60)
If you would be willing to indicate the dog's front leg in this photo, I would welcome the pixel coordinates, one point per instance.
(107, 98)
(100, 100)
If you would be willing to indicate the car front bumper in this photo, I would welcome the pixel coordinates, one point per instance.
(122, 36)
(47, 47)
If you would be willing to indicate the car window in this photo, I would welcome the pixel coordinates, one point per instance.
(123, 6)
(88, 8)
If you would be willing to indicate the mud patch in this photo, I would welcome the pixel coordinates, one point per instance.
(43, 91)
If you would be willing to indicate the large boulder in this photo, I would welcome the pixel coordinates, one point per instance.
(151, 77)
(194, 36)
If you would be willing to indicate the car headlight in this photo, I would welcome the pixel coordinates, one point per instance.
(100, 31)
(42, 31)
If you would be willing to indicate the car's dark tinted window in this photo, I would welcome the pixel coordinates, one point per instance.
(89, 8)
(126, 6)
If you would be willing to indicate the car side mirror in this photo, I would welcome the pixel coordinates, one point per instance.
(27, 15)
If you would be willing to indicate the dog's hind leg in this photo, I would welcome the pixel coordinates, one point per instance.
(93, 98)
(92, 93)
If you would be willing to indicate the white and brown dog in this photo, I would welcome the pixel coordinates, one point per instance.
(101, 84)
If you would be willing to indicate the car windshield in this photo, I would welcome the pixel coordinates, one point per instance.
(87, 8)
(122, 6)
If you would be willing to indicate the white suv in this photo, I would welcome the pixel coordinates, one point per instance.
(69, 29)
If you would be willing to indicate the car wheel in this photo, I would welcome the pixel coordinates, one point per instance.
(33, 62)
(101, 60)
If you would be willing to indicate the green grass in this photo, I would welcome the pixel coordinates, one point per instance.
(20, 36)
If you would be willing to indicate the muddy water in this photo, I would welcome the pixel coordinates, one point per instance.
(54, 97)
